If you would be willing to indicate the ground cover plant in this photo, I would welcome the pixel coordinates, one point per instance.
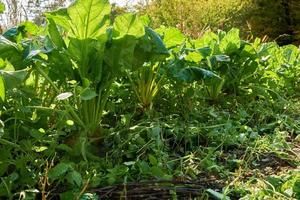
(96, 105)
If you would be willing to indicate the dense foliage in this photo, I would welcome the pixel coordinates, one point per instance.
(278, 19)
(93, 100)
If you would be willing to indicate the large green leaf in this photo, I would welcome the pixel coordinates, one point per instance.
(85, 23)
(61, 64)
(149, 48)
(250, 66)
(88, 94)
(84, 18)
(157, 44)
(193, 57)
(13, 79)
(290, 54)
(204, 51)
(128, 24)
(10, 51)
(121, 53)
(55, 34)
(208, 39)
(74, 178)
(196, 55)
(172, 37)
(59, 170)
(127, 31)
(191, 74)
(61, 18)
(88, 57)
(89, 18)
(231, 41)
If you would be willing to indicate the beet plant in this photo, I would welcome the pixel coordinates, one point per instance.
(90, 49)
(96, 52)
(85, 48)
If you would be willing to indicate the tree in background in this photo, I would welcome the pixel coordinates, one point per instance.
(17, 11)
(277, 19)
(193, 16)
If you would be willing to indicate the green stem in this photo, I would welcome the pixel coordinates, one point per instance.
(104, 100)
(8, 111)
(47, 78)
(10, 196)
(36, 82)
(93, 111)
(6, 142)
(70, 109)
(97, 110)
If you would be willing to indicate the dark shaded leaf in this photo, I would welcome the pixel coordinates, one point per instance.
(191, 74)
(88, 94)
(58, 171)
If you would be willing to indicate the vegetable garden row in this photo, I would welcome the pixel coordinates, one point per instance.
(92, 100)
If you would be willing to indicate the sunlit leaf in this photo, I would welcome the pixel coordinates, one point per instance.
(2, 7)
(70, 122)
(217, 195)
(64, 96)
(39, 149)
(128, 24)
(231, 41)
(2, 89)
(172, 37)
(84, 18)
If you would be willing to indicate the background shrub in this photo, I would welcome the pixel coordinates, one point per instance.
(278, 19)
